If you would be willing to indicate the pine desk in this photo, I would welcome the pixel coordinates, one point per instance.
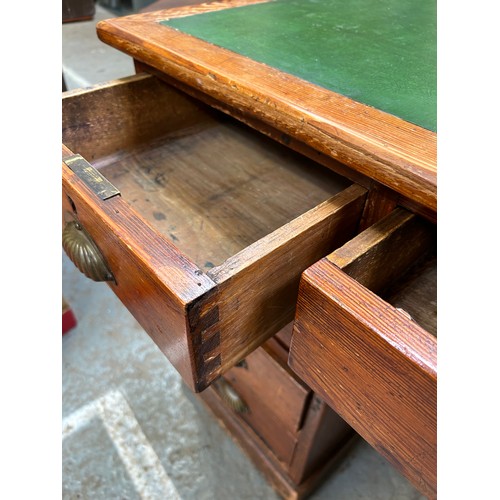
(262, 196)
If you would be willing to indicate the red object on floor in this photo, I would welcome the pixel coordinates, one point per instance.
(68, 317)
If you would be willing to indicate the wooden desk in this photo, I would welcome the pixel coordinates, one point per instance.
(310, 128)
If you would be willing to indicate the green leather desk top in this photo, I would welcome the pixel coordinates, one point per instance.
(381, 53)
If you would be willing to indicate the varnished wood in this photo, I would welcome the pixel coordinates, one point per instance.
(111, 119)
(322, 431)
(153, 279)
(382, 253)
(200, 192)
(319, 446)
(286, 396)
(284, 336)
(416, 293)
(265, 128)
(381, 199)
(212, 207)
(223, 272)
(373, 365)
(275, 400)
(393, 152)
(258, 286)
(251, 443)
(163, 151)
(379, 203)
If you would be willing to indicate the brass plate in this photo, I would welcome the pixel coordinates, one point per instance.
(92, 177)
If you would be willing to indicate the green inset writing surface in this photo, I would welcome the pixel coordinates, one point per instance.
(381, 53)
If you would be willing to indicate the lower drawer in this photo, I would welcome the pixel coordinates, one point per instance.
(268, 398)
(200, 225)
(373, 356)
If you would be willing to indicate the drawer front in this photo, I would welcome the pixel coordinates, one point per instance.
(369, 360)
(273, 401)
(205, 315)
(153, 281)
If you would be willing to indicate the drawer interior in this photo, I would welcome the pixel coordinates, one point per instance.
(416, 293)
(397, 259)
(208, 183)
(215, 222)
(356, 346)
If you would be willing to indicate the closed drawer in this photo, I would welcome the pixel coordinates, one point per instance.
(271, 400)
(372, 356)
(205, 225)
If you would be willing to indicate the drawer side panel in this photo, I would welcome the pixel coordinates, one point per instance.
(373, 366)
(156, 286)
(259, 285)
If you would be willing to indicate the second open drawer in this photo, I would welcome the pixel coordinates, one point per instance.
(365, 339)
(201, 225)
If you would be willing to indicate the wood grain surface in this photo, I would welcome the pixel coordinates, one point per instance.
(201, 193)
(106, 121)
(387, 149)
(216, 224)
(322, 432)
(380, 255)
(153, 280)
(219, 187)
(416, 294)
(381, 54)
(319, 446)
(252, 444)
(368, 360)
(258, 286)
(276, 401)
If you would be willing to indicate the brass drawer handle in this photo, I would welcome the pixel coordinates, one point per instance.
(230, 396)
(84, 253)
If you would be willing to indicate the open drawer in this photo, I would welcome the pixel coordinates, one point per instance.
(365, 340)
(201, 225)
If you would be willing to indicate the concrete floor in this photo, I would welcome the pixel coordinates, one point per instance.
(130, 428)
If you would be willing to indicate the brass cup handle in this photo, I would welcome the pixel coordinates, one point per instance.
(84, 253)
(230, 396)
